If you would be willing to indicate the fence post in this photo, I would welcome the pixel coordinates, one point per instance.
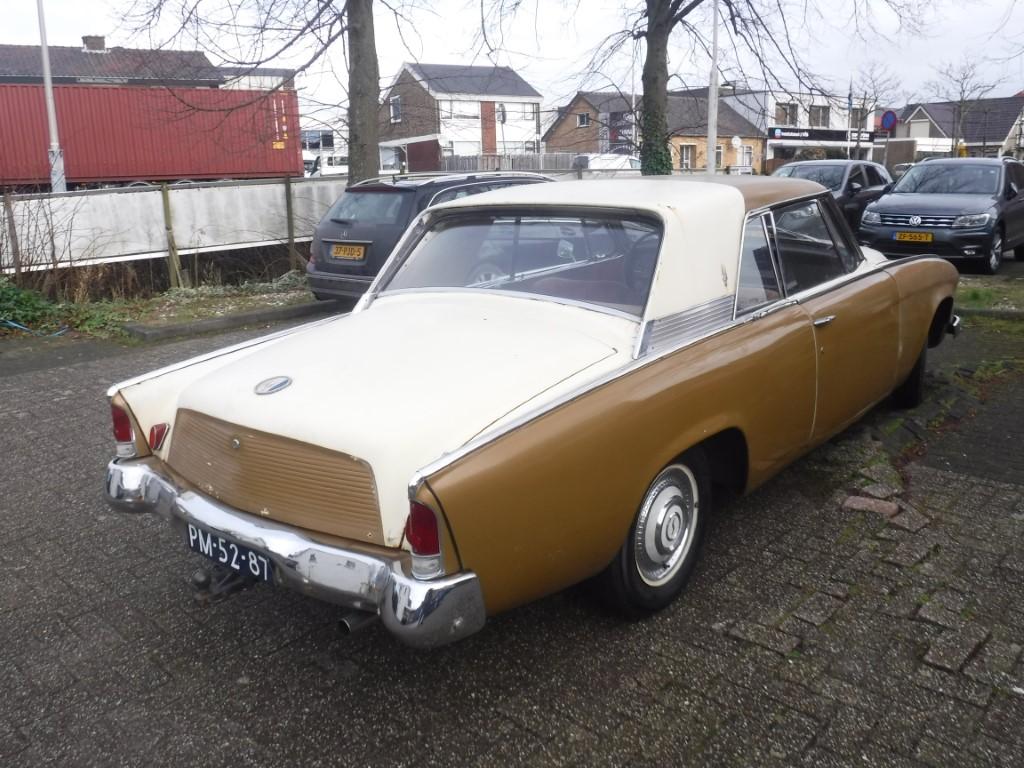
(12, 233)
(293, 256)
(178, 280)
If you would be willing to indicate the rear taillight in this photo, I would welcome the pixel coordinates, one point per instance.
(124, 434)
(425, 541)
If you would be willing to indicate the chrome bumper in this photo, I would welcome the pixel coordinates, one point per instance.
(423, 614)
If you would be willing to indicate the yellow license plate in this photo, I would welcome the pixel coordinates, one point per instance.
(351, 252)
(912, 237)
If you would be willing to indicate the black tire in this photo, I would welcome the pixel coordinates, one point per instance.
(637, 584)
(1018, 253)
(910, 393)
(994, 257)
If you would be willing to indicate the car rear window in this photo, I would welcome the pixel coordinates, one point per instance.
(950, 179)
(370, 207)
(603, 260)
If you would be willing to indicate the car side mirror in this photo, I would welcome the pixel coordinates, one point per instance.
(1012, 191)
(855, 187)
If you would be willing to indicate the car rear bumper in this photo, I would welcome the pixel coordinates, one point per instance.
(335, 284)
(946, 242)
(422, 614)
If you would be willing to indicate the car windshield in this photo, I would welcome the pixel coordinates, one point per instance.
(369, 207)
(603, 260)
(950, 179)
(830, 176)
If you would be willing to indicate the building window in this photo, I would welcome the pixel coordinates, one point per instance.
(395, 103)
(531, 147)
(466, 147)
(785, 114)
(719, 155)
(317, 140)
(686, 153)
(746, 155)
(461, 109)
(530, 111)
(818, 116)
(583, 120)
(858, 117)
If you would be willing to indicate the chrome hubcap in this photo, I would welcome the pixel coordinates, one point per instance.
(996, 255)
(665, 525)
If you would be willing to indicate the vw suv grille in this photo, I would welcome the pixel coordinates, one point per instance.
(903, 220)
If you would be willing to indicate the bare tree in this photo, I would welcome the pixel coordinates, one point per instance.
(961, 85)
(876, 87)
(760, 31)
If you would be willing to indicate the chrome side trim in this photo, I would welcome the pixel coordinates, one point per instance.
(675, 330)
(423, 614)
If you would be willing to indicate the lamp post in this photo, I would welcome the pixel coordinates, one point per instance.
(711, 152)
(57, 181)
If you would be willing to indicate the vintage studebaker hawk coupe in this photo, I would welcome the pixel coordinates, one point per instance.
(544, 384)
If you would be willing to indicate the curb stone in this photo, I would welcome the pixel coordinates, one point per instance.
(145, 332)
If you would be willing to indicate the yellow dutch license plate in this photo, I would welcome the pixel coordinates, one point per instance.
(350, 252)
(914, 237)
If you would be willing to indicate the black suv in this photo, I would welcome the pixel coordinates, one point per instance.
(356, 235)
(959, 208)
(853, 183)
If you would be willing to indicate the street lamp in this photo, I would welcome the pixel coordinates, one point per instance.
(57, 181)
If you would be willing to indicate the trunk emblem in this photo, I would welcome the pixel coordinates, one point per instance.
(272, 385)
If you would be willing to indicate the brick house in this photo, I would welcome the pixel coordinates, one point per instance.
(432, 111)
(687, 116)
(594, 122)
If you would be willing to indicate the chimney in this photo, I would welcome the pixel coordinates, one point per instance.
(95, 43)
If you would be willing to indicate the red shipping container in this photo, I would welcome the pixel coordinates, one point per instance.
(122, 134)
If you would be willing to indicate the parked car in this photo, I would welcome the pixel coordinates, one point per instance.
(958, 208)
(854, 183)
(544, 384)
(356, 235)
(900, 168)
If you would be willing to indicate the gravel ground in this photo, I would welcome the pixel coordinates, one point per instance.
(818, 630)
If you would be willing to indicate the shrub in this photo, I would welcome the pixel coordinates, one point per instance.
(22, 306)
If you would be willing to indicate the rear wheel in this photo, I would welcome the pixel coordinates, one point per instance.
(658, 557)
(995, 254)
(910, 393)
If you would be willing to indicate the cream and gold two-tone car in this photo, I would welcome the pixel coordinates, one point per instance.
(544, 384)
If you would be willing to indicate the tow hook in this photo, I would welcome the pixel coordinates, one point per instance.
(216, 583)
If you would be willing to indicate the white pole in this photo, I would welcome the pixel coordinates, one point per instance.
(713, 94)
(57, 181)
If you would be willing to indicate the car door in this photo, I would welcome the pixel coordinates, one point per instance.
(852, 308)
(1013, 217)
(855, 195)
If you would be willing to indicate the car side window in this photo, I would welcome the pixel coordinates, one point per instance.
(857, 176)
(874, 177)
(758, 283)
(1016, 174)
(808, 255)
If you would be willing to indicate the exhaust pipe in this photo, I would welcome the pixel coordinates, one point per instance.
(354, 621)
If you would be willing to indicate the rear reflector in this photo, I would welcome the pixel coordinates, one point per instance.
(421, 530)
(157, 435)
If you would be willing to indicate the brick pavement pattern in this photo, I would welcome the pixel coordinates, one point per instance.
(817, 632)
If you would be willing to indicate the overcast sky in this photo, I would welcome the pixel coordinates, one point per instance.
(551, 46)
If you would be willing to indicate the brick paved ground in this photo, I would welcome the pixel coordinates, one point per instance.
(819, 631)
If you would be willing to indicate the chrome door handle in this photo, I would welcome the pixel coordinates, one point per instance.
(821, 321)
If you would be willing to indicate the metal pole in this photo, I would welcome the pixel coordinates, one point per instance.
(713, 94)
(57, 182)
